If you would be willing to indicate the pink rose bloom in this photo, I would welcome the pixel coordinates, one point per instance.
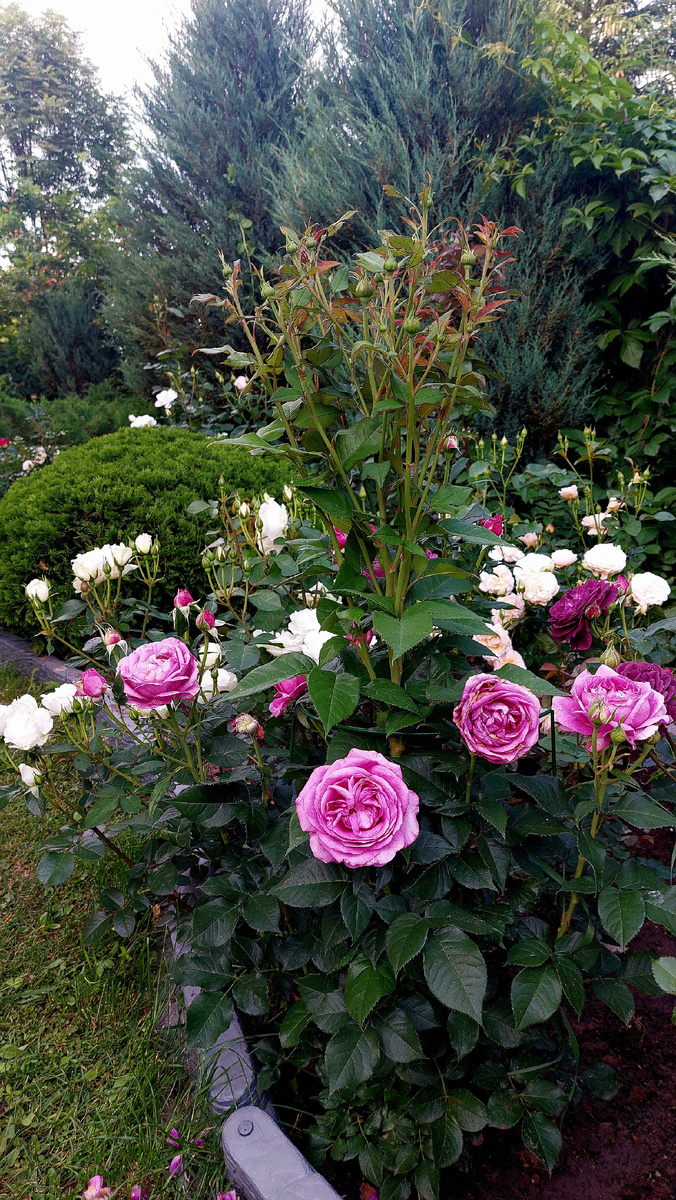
(92, 684)
(286, 692)
(4, 443)
(358, 810)
(494, 524)
(137, 1193)
(529, 539)
(634, 705)
(159, 673)
(95, 1189)
(205, 620)
(241, 382)
(497, 719)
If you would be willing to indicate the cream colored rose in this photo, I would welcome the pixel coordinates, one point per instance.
(605, 560)
(540, 588)
(648, 590)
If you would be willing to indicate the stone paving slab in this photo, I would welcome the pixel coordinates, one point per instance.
(20, 655)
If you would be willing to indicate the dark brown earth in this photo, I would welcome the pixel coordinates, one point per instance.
(621, 1149)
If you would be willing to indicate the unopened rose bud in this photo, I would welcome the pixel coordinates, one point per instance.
(183, 599)
(30, 776)
(503, 441)
(598, 713)
(240, 382)
(267, 290)
(529, 539)
(207, 558)
(411, 325)
(287, 493)
(205, 620)
(244, 510)
(220, 553)
(143, 543)
(451, 443)
(390, 264)
(38, 590)
(617, 735)
(111, 638)
(569, 493)
(549, 528)
(610, 657)
(365, 288)
(247, 724)
(468, 258)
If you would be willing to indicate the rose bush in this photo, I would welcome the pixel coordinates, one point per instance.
(389, 812)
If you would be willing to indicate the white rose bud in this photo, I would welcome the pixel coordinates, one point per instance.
(244, 510)
(38, 589)
(287, 493)
(648, 590)
(143, 543)
(614, 504)
(213, 655)
(274, 520)
(29, 775)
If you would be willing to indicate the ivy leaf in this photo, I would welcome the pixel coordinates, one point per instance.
(455, 971)
(334, 696)
(403, 635)
(365, 986)
(406, 937)
(536, 995)
(209, 1015)
(351, 1057)
(622, 914)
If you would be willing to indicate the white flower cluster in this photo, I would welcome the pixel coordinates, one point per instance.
(533, 577)
(143, 422)
(103, 562)
(303, 636)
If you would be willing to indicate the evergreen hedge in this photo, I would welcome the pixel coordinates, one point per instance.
(111, 489)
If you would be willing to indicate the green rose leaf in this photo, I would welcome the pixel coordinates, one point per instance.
(406, 937)
(536, 995)
(542, 1138)
(622, 914)
(209, 1015)
(334, 696)
(351, 1057)
(455, 971)
(365, 986)
(403, 635)
(55, 867)
(312, 884)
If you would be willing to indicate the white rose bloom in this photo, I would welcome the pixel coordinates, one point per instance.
(510, 656)
(29, 775)
(532, 564)
(25, 730)
(563, 558)
(40, 455)
(61, 700)
(121, 554)
(648, 590)
(304, 621)
(498, 641)
(143, 422)
(226, 681)
(38, 589)
(213, 655)
(569, 493)
(540, 588)
(284, 643)
(143, 543)
(509, 554)
(166, 398)
(614, 504)
(274, 521)
(509, 616)
(88, 567)
(605, 560)
(497, 582)
(314, 642)
(27, 464)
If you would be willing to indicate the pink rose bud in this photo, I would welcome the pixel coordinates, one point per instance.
(205, 620)
(111, 637)
(287, 692)
(623, 584)
(494, 524)
(529, 539)
(183, 599)
(4, 443)
(358, 810)
(341, 537)
(451, 443)
(92, 684)
(241, 382)
(354, 638)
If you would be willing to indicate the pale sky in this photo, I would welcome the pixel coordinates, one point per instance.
(117, 34)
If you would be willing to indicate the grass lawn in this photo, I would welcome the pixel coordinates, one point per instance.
(88, 1085)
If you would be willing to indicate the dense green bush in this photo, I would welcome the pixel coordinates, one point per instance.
(103, 409)
(114, 487)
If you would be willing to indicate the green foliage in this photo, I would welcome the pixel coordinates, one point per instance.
(112, 488)
(103, 409)
(225, 98)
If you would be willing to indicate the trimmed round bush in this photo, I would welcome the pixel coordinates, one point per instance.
(111, 489)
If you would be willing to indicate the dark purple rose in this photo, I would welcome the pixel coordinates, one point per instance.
(661, 679)
(571, 616)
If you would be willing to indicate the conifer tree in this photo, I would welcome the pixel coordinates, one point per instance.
(226, 95)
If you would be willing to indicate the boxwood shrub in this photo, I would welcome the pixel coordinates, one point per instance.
(110, 489)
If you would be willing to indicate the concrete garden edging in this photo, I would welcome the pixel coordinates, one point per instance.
(260, 1159)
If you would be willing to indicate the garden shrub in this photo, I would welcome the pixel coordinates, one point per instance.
(104, 409)
(112, 488)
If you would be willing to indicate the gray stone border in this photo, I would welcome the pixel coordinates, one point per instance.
(261, 1160)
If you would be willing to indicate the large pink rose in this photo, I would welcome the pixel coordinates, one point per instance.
(159, 672)
(634, 705)
(497, 719)
(358, 810)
